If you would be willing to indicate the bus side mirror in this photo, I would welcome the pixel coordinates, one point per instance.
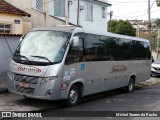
(22, 37)
(76, 41)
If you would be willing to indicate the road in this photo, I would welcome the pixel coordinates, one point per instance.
(141, 99)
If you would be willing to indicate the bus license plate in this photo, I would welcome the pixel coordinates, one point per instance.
(24, 85)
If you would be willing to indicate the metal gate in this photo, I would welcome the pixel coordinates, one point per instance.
(8, 45)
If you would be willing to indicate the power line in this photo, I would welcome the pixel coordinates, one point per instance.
(120, 16)
(116, 3)
(137, 15)
(129, 13)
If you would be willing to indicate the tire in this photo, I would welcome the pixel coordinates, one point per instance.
(73, 96)
(130, 86)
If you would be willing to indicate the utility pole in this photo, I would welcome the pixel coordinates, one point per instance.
(67, 12)
(158, 37)
(45, 15)
(110, 25)
(78, 15)
(149, 20)
(138, 30)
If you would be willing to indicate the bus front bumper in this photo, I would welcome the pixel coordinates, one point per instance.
(47, 91)
(32, 96)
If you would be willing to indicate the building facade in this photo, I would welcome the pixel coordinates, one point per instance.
(11, 19)
(93, 13)
(39, 10)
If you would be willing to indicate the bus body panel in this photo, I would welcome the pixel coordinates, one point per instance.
(95, 76)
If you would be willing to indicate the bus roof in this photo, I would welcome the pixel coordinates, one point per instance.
(71, 28)
(68, 28)
(115, 35)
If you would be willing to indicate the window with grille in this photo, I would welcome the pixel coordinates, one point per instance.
(89, 12)
(4, 28)
(40, 5)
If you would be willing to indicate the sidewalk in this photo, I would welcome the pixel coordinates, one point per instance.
(151, 81)
(3, 89)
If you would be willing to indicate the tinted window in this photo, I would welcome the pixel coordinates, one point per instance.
(91, 44)
(140, 50)
(109, 45)
(99, 48)
(75, 54)
(126, 49)
(103, 48)
(107, 48)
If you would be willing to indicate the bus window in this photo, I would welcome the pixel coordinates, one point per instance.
(75, 53)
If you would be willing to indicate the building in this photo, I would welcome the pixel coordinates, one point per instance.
(11, 19)
(93, 13)
(141, 27)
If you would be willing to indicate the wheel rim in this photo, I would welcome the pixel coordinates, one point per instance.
(130, 86)
(73, 96)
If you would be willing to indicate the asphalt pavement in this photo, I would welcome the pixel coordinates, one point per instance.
(145, 97)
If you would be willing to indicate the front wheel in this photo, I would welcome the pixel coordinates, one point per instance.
(73, 96)
(130, 86)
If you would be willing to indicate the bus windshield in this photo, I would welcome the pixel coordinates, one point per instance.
(42, 47)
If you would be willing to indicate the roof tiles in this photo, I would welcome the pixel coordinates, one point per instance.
(6, 7)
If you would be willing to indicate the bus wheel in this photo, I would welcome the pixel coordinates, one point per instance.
(73, 96)
(130, 86)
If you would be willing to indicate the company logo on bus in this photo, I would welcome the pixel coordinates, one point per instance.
(118, 68)
(28, 69)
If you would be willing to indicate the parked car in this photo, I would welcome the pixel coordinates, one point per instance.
(155, 68)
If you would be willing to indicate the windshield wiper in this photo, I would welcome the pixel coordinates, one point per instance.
(21, 57)
(42, 57)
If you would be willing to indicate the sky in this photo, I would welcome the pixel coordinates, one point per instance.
(133, 9)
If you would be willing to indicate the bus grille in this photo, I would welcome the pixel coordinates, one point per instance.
(26, 79)
(32, 81)
(24, 90)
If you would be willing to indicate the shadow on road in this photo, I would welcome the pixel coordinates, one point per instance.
(43, 105)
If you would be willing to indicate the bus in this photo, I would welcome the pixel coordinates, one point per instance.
(68, 62)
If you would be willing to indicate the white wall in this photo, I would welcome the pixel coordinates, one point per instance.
(98, 23)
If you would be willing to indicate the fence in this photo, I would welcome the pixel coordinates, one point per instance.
(8, 45)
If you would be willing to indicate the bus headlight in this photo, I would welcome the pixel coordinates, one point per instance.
(47, 79)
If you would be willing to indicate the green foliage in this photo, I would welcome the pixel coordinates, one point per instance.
(158, 3)
(122, 27)
(154, 35)
(157, 22)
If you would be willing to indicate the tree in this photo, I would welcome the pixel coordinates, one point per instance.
(122, 27)
(158, 3)
(157, 21)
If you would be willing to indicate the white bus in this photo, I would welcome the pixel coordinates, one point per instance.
(67, 62)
